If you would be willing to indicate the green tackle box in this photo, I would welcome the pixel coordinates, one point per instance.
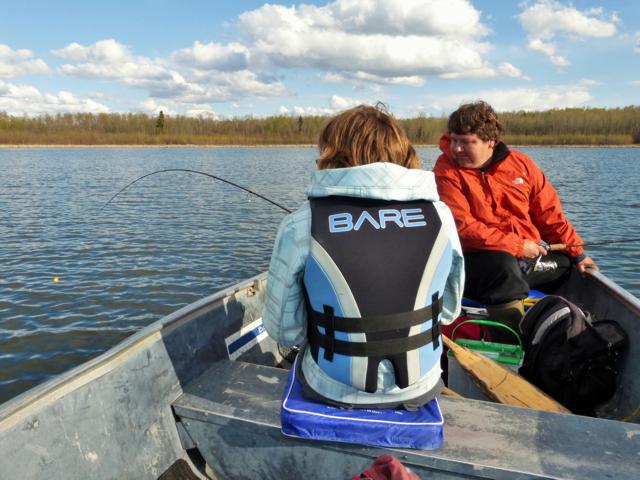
(504, 353)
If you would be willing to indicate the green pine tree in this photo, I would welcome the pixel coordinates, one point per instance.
(160, 122)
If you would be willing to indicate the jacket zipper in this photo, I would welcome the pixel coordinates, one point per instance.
(485, 182)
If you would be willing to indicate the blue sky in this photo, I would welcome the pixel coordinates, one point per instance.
(233, 59)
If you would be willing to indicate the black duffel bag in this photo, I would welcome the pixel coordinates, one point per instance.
(569, 356)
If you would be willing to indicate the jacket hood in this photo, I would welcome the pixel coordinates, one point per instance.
(445, 148)
(383, 180)
(445, 145)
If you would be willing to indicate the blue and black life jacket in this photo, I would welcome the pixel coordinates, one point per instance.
(374, 281)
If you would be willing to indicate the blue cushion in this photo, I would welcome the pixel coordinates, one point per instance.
(395, 428)
(467, 302)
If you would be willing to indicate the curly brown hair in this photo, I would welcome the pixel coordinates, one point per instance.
(362, 135)
(478, 118)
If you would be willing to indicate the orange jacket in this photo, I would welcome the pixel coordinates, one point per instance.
(500, 207)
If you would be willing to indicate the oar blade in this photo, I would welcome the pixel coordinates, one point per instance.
(502, 384)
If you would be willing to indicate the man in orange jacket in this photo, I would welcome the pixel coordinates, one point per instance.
(505, 210)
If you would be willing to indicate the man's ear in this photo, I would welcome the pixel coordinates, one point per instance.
(492, 144)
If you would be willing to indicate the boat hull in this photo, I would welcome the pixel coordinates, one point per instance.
(171, 393)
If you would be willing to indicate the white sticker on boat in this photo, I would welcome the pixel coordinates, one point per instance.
(243, 340)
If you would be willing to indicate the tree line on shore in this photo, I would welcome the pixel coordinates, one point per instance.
(571, 126)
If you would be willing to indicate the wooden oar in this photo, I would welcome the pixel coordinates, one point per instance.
(500, 383)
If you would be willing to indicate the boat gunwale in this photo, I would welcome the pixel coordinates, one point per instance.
(82, 374)
(623, 296)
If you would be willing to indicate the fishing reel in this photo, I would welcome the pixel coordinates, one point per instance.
(538, 264)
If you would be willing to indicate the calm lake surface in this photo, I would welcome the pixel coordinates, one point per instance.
(173, 238)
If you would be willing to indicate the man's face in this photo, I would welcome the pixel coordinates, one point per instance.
(470, 151)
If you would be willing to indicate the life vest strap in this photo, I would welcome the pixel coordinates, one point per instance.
(436, 304)
(374, 323)
(373, 348)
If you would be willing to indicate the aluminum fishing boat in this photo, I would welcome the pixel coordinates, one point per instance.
(197, 395)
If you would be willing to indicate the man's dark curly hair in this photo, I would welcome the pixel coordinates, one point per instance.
(478, 118)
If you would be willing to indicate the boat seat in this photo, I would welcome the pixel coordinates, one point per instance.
(231, 413)
(235, 389)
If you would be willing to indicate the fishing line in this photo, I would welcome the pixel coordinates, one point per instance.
(562, 246)
(553, 247)
(200, 173)
(606, 242)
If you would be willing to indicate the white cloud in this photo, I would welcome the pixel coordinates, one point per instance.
(201, 74)
(409, 17)
(312, 111)
(111, 61)
(108, 51)
(340, 103)
(25, 99)
(204, 111)
(503, 70)
(383, 41)
(359, 79)
(527, 99)
(169, 107)
(231, 85)
(546, 19)
(636, 47)
(335, 104)
(153, 107)
(549, 49)
(214, 56)
(19, 62)
(414, 110)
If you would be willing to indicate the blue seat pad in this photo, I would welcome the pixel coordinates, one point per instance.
(395, 428)
(467, 302)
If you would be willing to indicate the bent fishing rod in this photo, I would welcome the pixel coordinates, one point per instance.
(215, 177)
(553, 247)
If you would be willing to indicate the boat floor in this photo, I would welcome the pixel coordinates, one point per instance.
(231, 413)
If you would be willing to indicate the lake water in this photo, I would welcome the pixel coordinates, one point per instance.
(173, 238)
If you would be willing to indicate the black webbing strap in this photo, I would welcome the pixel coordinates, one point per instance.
(436, 303)
(330, 330)
(370, 348)
(375, 323)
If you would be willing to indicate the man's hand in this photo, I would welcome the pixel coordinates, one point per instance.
(531, 250)
(587, 262)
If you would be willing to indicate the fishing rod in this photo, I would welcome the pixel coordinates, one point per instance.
(561, 246)
(200, 173)
(553, 247)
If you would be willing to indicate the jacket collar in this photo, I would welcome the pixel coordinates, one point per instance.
(383, 180)
(500, 152)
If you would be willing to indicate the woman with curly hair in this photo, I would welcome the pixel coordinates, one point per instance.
(363, 274)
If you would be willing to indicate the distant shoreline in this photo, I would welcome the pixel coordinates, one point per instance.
(53, 146)
(137, 145)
